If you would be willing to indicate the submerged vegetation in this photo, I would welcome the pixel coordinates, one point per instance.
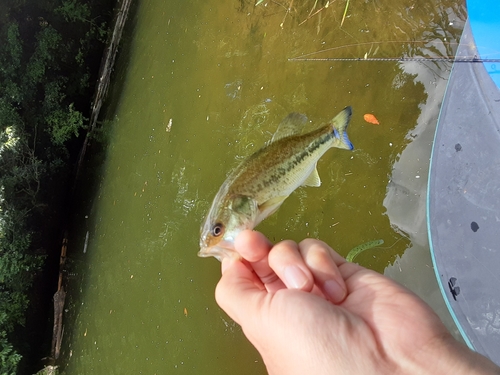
(314, 10)
(360, 248)
(50, 52)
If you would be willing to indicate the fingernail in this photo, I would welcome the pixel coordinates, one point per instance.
(334, 291)
(295, 278)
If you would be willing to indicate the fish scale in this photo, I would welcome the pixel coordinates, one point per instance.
(282, 163)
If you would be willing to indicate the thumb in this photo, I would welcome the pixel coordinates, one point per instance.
(239, 292)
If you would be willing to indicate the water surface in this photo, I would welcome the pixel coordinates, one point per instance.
(198, 87)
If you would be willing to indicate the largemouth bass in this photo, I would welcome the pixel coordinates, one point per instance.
(260, 184)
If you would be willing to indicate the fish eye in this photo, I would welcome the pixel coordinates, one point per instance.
(217, 230)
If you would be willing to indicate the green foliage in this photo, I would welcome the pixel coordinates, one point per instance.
(16, 264)
(9, 117)
(12, 308)
(10, 62)
(74, 10)
(50, 51)
(20, 173)
(9, 358)
(64, 124)
(48, 40)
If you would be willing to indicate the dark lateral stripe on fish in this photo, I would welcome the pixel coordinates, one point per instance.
(298, 159)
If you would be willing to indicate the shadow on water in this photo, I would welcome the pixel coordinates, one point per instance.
(198, 87)
(87, 188)
(119, 71)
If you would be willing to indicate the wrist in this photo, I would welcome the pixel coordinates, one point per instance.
(448, 356)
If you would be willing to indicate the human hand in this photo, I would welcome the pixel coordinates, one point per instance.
(308, 311)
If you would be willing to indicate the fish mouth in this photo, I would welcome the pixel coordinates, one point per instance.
(206, 252)
(218, 252)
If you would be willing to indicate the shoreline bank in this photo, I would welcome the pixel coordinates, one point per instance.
(100, 94)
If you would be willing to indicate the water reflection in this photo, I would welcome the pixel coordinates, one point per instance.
(406, 191)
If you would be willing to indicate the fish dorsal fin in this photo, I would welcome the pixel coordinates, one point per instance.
(290, 125)
(313, 179)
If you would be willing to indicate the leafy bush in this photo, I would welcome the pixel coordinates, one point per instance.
(50, 51)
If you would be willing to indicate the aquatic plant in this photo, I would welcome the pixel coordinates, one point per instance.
(360, 248)
(311, 14)
(345, 13)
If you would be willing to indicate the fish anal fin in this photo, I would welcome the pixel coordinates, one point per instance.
(292, 124)
(313, 179)
(268, 207)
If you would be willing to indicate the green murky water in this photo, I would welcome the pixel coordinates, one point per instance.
(201, 85)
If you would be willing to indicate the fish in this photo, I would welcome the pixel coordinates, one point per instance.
(259, 185)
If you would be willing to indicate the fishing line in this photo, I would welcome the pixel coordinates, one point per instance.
(451, 59)
(399, 59)
(388, 247)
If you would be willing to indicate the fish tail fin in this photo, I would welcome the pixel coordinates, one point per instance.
(339, 125)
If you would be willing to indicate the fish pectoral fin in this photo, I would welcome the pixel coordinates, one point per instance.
(243, 204)
(313, 179)
(268, 207)
(290, 125)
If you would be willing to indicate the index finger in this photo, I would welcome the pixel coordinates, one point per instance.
(254, 247)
